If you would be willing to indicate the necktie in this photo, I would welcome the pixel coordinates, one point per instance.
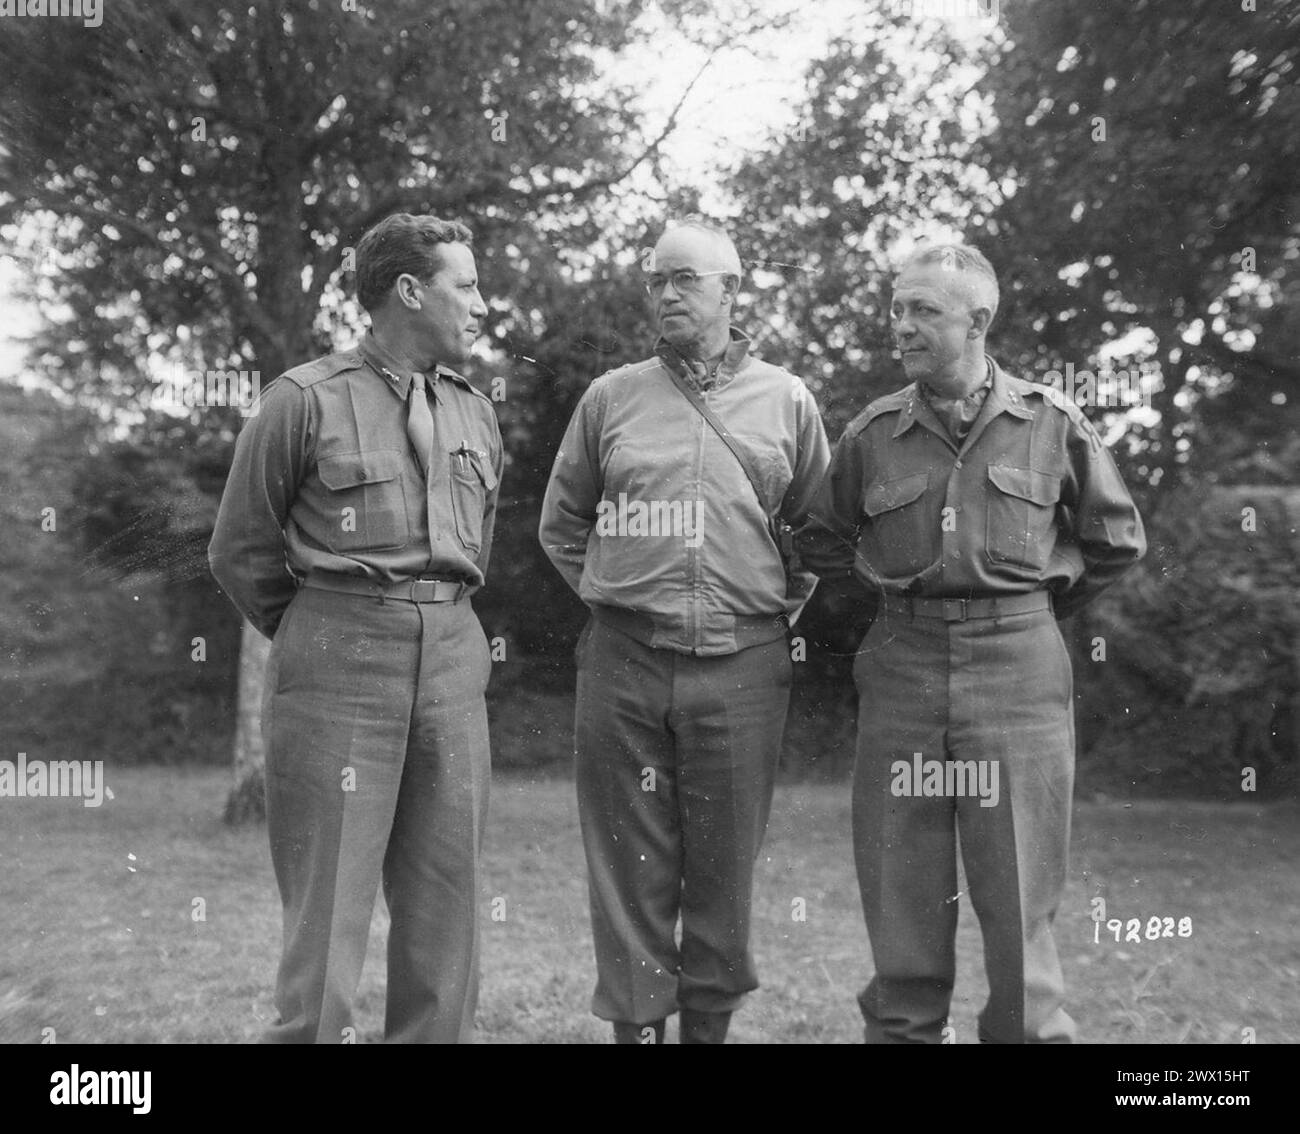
(958, 414)
(419, 423)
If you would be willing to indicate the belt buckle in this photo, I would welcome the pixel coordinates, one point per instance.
(428, 590)
(419, 590)
(948, 613)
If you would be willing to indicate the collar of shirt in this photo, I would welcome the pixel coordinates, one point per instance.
(694, 371)
(959, 414)
(974, 398)
(998, 398)
(397, 374)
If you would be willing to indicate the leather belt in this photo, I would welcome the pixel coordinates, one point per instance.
(965, 609)
(408, 590)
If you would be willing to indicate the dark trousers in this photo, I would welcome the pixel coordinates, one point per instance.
(992, 690)
(377, 772)
(676, 760)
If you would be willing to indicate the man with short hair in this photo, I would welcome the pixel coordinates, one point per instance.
(977, 509)
(356, 522)
(684, 670)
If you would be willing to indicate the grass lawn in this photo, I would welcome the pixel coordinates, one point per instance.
(101, 943)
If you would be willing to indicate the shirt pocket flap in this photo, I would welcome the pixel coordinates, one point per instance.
(1027, 484)
(486, 472)
(894, 493)
(350, 469)
(474, 467)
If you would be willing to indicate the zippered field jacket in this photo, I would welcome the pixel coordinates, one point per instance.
(653, 521)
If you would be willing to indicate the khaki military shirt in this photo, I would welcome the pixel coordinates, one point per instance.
(1030, 500)
(324, 479)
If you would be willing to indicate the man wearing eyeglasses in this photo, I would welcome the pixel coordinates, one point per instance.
(666, 531)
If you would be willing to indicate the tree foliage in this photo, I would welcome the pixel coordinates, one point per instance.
(1150, 152)
(1130, 170)
(876, 156)
(186, 182)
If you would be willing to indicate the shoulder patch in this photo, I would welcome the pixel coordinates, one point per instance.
(309, 373)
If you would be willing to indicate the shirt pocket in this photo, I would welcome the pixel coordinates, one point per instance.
(897, 528)
(365, 509)
(1021, 512)
(472, 478)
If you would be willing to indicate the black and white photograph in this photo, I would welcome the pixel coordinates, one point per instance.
(650, 522)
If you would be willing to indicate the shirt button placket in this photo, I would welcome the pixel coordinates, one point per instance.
(437, 470)
(952, 533)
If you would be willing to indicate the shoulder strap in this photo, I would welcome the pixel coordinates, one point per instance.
(722, 431)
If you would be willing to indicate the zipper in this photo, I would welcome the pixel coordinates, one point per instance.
(693, 553)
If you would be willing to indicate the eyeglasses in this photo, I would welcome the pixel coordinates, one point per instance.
(684, 281)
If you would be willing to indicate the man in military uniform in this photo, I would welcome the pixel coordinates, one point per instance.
(977, 509)
(356, 522)
(684, 669)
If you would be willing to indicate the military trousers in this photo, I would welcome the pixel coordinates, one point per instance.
(965, 732)
(676, 759)
(377, 773)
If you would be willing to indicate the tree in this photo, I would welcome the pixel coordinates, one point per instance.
(188, 181)
(1150, 151)
(1129, 168)
(878, 155)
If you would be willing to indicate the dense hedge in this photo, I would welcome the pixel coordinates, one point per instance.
(1202, 653)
